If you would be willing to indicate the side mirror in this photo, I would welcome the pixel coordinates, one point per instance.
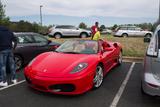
(115, 45)
(77, 28)
(147, 40)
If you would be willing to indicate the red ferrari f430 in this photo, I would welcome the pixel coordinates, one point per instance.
(74, 68)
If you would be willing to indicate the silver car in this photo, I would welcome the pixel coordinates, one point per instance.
(125, 31)
(68, 30)
(151, 72)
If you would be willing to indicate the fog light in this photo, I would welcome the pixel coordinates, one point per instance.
(57, 90)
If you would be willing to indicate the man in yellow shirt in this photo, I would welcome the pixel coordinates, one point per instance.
(97, 36)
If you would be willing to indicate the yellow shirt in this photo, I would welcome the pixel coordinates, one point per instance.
(97, 35)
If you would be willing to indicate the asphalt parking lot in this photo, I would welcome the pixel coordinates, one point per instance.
(121, 88)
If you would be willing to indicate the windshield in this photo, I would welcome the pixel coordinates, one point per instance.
(79, 47)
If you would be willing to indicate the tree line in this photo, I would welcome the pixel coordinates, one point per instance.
(144, 26)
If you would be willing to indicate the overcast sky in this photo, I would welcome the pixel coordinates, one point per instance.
(84, 8)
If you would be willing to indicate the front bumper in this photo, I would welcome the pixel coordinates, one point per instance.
(65, 86)
(150, 85)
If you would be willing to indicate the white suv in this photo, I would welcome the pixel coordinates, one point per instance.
(134, 31)
(68, 30)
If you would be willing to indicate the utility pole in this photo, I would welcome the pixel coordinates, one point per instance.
(41, 15)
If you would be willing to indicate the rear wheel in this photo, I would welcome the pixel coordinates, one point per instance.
(57, 35)
(119, 60)
(125, 35)
(98, 78)
(83, 35)
(18, 61)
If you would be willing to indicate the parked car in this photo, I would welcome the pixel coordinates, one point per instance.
(106, 31)
(68, 30)
(29, 46)
(74, 68)
(125, 31)
(151, 73)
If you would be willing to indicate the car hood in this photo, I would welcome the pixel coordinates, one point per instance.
(59, 64)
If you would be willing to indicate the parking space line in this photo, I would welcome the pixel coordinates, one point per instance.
(12, 85)
(122, 87)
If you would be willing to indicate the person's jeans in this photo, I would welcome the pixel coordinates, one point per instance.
(7, 61)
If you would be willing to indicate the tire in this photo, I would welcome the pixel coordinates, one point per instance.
(57, 36)
(83, 35)
(119, 60)
(98, 78)
(148, 35)
(18, 61)
(124, 35)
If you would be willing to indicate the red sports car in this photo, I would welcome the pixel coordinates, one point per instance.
(74, 68)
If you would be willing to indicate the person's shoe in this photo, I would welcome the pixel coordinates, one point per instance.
(14, 81)
(3, 84)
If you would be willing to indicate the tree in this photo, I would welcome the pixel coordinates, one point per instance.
(102, 27)
(114, 27)
(154, 26)
(2, 12)
(3, 19)
(82, 25)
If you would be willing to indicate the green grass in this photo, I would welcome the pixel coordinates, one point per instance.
(132, 46)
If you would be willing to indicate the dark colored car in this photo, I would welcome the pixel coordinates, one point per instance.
(29, 46)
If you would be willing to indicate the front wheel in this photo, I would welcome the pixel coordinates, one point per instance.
(119, 60)
(18, 62)
(148, 35)
(98, 78)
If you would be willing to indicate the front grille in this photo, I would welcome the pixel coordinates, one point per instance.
(39, 87)
(62, 87)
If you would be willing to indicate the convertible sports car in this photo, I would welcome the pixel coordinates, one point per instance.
(74, 68)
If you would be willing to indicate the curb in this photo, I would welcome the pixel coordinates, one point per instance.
(133, 59)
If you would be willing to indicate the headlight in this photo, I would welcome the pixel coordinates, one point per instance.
(30, 63)
(79, 67)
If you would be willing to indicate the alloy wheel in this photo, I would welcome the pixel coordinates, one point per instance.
(83, 35)
(57, 36)
(18, 62)
(120, 58)
(98, 79)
